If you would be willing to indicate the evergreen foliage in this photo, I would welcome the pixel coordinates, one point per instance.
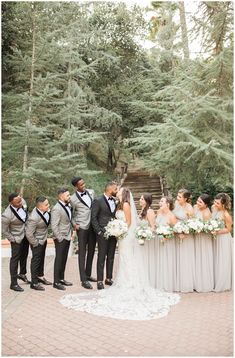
(78, 84)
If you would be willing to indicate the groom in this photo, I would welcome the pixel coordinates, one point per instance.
(103, 210)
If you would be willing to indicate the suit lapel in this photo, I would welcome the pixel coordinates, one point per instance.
(107, 203)
(65, 210)
(82, 201)
(18, 216)
(43, 217)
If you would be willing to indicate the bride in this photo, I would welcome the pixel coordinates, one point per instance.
(130, 297)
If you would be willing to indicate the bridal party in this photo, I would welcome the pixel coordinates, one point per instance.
(178, 260)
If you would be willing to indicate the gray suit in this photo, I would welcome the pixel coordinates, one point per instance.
(36, 229)
(36, 233)
(61, 227)
(13, 228)
(60, 223)
(81, 212)
(85, 233)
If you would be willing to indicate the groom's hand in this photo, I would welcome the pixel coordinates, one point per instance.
(76, 227)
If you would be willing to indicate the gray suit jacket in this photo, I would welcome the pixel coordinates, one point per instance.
(13, 228)
(60, 223)
(36, 228)
(81, 212)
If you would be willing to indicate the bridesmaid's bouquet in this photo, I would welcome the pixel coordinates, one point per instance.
(195, 225)
(143, 232)
(181, 227)
(164, 232)
(117, 228)
(213, 225)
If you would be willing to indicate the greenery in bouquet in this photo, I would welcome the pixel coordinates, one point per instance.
(213, 225)
(143, 232)
(164, 233)
(195, 225)
(181, 227)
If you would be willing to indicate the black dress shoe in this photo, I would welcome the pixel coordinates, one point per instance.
(23, 278)
(100, 286)
(44, 281)
(86, 284)
(108, 282)
(66, 283)
(16, 288)
(91, 279)
(59, 286)
(37, 286)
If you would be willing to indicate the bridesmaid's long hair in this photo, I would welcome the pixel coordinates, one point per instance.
(225, 200)
(206, 199)
(169, 200)
(186, 194)
(126, 197)
(148, 199)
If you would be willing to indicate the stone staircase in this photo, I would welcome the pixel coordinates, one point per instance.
(140, 182)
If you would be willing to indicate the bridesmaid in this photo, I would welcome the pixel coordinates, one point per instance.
(204, 276)
(147, 215)
(223, 250)
(185, 258)
(166, 279)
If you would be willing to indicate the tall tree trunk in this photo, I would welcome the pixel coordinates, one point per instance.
(184, 32)
(69, 95)
(29, 120)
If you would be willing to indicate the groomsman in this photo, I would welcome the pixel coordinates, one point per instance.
(13, 228)
(61, 216)
(36, 233)
(103, 210)
(81, 202)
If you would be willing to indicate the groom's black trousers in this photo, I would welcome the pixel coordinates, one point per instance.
(86, 244)
(106, 250)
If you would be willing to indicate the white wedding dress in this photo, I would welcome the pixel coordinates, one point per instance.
(130, 297)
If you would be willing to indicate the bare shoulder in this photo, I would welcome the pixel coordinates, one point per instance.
(227, 215)
(126, 206)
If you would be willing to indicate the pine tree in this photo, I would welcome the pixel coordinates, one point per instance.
(192, 145)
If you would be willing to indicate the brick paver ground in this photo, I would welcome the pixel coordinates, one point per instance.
(36, 324)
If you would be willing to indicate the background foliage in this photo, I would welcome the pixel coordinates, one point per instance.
(80, 92)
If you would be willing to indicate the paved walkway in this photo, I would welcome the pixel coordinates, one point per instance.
(36, 324)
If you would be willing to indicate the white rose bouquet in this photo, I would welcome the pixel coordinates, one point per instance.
(143, 232)
(117, 228)
(165, 232)
(195, 225)
(181, 227)
(213, 225)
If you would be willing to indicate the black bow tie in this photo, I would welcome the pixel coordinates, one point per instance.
(83, 193)
(110, 199)
(44, 212)
(66, 204)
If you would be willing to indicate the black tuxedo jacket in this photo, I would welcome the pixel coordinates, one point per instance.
(101, 214)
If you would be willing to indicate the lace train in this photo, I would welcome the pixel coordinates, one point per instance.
(123, 303)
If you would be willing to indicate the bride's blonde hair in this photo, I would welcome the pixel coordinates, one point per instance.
(126, 197)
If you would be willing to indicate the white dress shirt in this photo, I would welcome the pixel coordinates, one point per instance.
(67, 208)
(111, 203)
(85, 197)
(45, 214)
(21, 212)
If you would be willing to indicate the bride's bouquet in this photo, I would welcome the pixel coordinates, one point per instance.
(213, 225)
(164, 232)
(195, 225)
(143, 232)
(117, 228)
